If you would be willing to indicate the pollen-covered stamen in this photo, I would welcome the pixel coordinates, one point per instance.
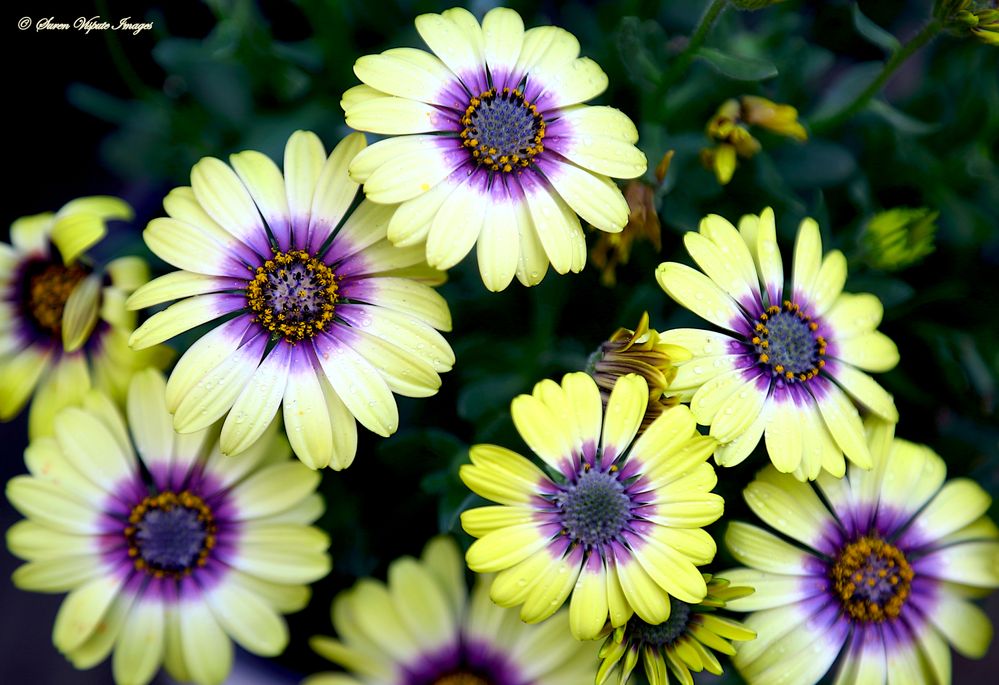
(640, 633)
(47, 288)
(594, 509)
(462, 678)
(872, 579)
(502, 130)
(785, 339)
(170, 534)
(293, 295)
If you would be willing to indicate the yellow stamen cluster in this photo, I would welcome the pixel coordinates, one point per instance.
(165, 501)
(485, 152)
(293, 295)
(861, 568)
(763, 344)
(48, 291)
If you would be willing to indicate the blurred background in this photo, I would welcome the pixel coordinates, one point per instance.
(110, 112)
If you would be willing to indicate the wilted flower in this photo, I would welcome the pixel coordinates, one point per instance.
(639, 351)
(728, 128)
(781, 119)
(612, 249)
(899, 237)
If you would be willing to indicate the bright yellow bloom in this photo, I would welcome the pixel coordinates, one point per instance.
(65, 327)
(615, 520)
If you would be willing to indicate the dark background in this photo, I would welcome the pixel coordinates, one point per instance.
(113, 113)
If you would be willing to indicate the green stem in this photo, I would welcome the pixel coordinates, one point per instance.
(118, 57)
(890, 67)
(682, 61)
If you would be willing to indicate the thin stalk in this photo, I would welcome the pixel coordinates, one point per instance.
(121, 62)
(682, 61)
(890, 67)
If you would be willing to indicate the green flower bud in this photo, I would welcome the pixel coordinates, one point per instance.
(899, 237)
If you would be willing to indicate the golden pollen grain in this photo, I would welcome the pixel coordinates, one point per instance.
(48, 289)
(872, 579)
(502, 131)
(293, 295)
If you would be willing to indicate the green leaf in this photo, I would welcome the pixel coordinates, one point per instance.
(738, 68)
(816, 164)
(846, 89)
(900, 120)
(874, 33)
(635, 43)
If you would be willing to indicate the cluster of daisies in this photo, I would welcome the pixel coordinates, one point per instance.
(172, 511)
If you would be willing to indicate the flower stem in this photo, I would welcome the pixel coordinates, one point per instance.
(683, 60)
(891, 66)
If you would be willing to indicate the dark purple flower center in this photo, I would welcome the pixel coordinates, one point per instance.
(872, 579)
(640, 633)
(293, 295)
(46, 288)
(170, 533)
(786, 341)
(594, 509)
(502, 130)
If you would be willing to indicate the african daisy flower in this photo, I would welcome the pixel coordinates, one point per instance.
(788, 369)
(878, 578)
(616, 523)
(169, 555)
(493, 145)
(327, 322)
(63, 324)
(681, 644)
(422, 628)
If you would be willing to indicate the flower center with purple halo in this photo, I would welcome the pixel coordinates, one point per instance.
(872, 579)
(462, 678)
(47, 287)
(170, 534)
(594, 509)
(785, 340)
(293, 295)
(502, 130)
(666, 633)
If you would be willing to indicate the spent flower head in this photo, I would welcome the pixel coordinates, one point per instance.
(638, 351)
